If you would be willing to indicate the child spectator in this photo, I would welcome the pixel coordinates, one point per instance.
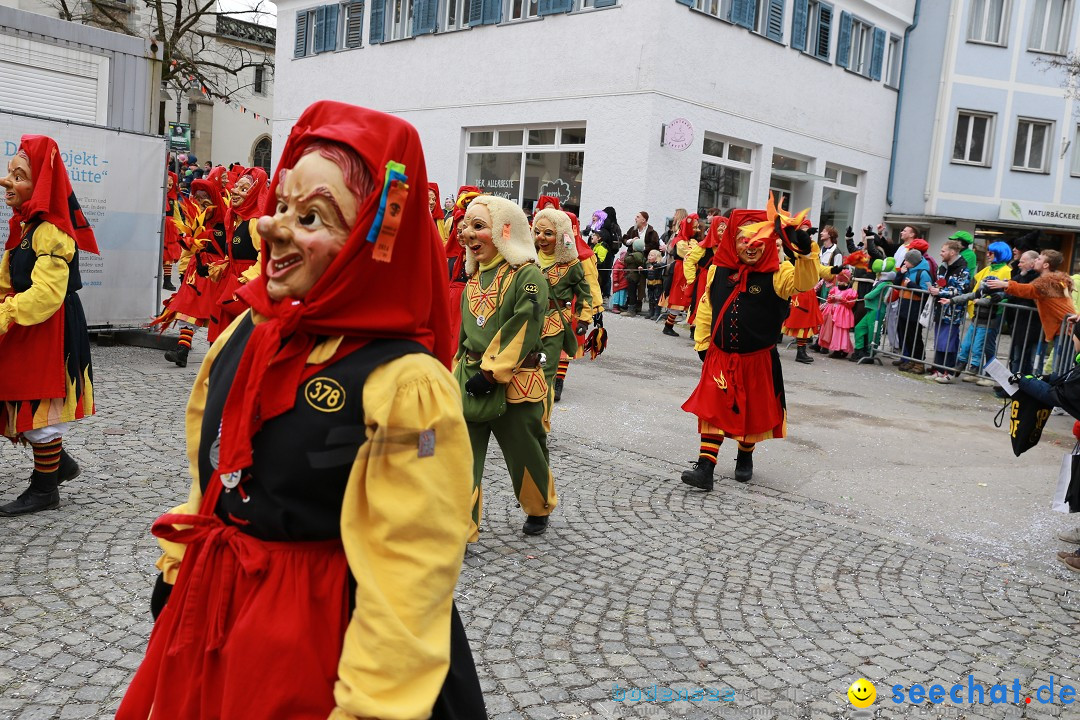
(953, 279)
(913, 276)
(618, 283)
(869, 327)
(654, 283)
(839, 318)
(980, 341)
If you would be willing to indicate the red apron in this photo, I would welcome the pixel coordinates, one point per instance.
(736, 394)
(228, 307)
(32, 361)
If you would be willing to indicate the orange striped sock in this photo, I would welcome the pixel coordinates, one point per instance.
(747, 447)
(710, 447)
(563, 365)
(186, 336)
(47, 455)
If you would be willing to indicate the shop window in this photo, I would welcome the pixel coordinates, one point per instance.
(988, 21)
(481, 138)
(714, 148)
(787, 162)
(1050, 25)
(739, 153)
(1031, 153)
(553, 173)
(839, 198)
(495, 173)
(511, 138)
(973, 140)
(724, 187)
(572, 136)
(545, 136)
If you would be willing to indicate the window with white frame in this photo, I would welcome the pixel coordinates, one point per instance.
(892, 66)
(456, 15)
(316, 30)
(862, 46)
(988, 21)
(716, 8)
(589, 4)
(398, 20)
(1050, 26)
(726, 171)
(523, 163)
(811, 27)
(1075, 171)
(1032, 150)
(769, 18)
(974, 138)
(523, 9)
(354, 25)
(839, 197)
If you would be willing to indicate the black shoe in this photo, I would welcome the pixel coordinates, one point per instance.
(838, 355)
(701, 476)
(802, 356)
(535, 525)
(668, 330)
(744, 466)
(167, 283)
(41, 495)
(68, 470)
(178, 356)
(558, 389)
(814, 347)
(899, 361)
(822, 350)
(857, 355)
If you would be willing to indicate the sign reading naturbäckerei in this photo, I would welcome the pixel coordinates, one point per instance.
(1041, 213)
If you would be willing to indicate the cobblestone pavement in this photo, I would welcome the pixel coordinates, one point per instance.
(892, 536)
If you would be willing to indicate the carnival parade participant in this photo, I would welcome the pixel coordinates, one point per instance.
(325, 527)
(678, 297)
(192, 305)
(569, 295)
(247, 197)
(171, 251)
(741, 391)
(594, 312)
(498, 363)
(437, 212)
(458, 275)
(697, 262)
(46, 377)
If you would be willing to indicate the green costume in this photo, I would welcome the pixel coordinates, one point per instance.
(502, 311)
(568, 297)
(867, 329)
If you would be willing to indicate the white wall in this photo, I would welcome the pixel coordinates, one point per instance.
(587, 66)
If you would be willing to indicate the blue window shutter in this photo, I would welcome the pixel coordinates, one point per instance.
(843, 45)
(879, 54)
(319, 31)
(492, 12)
(800, 18)
(551, 7)
(425, 16)
(604, 3)
(687, 3)
(354, 25)
(376, 33)
(300, 48)
(774, 20)
(742, 13)
(823, 40)
(330, 29)
(476, 13)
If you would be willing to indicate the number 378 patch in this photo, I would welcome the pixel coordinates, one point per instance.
(324, 394)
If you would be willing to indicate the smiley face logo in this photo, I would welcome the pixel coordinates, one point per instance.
(862, 693)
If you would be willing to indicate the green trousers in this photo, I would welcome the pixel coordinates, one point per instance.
(523, 441)
(866, 330)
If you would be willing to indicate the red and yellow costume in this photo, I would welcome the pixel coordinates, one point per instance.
(679, 296)
(698, 260)
(326, 574)
(172, 250)
(244, 253)
(455, 253)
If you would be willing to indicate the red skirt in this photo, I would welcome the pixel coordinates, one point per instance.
(679, 295)
(32, 360)
(172, 248)
(228, 307)
(197, 297)
(457, 289)
(805, 318)
(253, 629)
(741, 394)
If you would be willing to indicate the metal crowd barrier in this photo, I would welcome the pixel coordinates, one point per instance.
(1004, 330)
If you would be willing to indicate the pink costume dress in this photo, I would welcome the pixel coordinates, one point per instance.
(839, 319)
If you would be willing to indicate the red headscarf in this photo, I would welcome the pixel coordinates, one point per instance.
(584, 252)
(52, 199)
(215, 176)
(726, 255)
(437, 213)
(717, 227)
(174, 187)
(213, 189)
(547, 201)
(256, 198)
(465, 195)
(357, 296)
(684, 227)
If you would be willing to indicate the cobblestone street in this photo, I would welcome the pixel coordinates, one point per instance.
(892, 536)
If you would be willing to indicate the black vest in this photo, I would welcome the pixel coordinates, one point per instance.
(752, 321)
(242, 246)
(23, 258)
(302, 458)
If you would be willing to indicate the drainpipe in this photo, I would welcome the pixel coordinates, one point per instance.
(899, 105)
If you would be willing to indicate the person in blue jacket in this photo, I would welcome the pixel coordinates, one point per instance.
(913, 277)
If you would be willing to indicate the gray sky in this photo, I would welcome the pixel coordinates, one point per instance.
(268, 16)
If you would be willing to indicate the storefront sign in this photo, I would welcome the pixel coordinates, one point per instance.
(1040, 213)
(557, 188)
(498, 187)
(679, 134)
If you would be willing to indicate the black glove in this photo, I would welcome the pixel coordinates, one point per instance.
(798, 239)
(201, 269)
(598, 319)
(812, 231)
(478, 385)
(850, 233)
(582, 327)
(159, 596)
(701, 354)
(837, 269)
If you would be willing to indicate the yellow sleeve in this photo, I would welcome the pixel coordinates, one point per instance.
(5, 275)
(703, 322)
(185, 258)
(592, 277)
(444, 231)
(689, 268)
(404, 523)
(173, 553)
(804, 275)
(48, 280)
(255, 270)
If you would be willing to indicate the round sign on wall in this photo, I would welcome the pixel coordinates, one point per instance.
(679, 134)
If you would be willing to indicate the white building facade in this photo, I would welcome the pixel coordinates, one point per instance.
(639, 104)
(988, 140)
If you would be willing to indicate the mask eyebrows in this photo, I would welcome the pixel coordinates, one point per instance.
(324, 192)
